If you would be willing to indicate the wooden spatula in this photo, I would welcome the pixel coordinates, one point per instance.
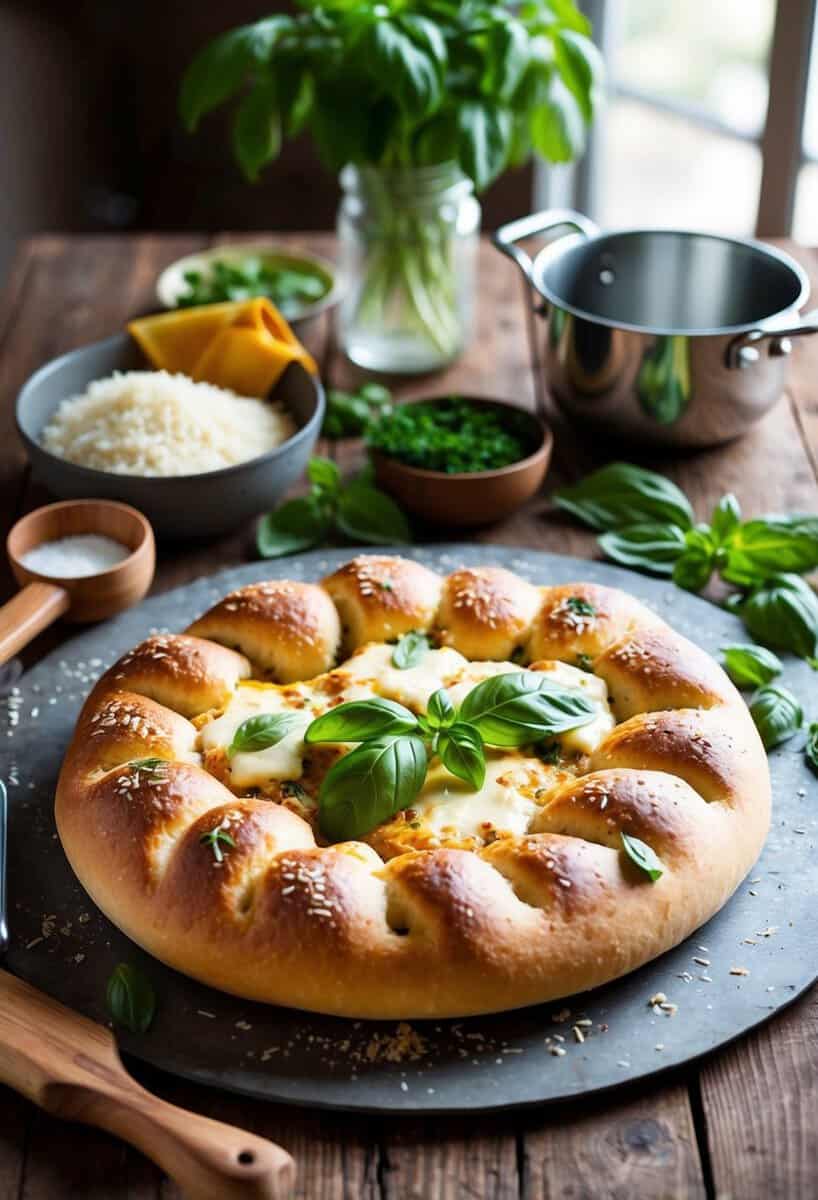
(70, 1066)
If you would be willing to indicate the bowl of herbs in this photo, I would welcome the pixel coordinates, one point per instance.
(300, 284)
(460, 460)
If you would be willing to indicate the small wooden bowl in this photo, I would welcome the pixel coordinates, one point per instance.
(472, 497)
(91, 597)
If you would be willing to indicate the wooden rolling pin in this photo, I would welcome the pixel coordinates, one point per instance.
(70, 1066)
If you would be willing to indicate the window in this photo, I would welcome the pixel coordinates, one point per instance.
(702, 126)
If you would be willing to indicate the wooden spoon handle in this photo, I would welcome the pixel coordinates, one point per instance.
(28, 613)
(70, 1066)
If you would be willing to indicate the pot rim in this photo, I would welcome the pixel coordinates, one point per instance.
(551, 252)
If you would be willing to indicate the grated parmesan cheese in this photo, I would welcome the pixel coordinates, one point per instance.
(155, 424)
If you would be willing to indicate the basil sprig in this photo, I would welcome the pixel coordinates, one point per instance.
(750, 666)
(261, 732)
(646, 522)
(410, 650)
(130, 998)
(388, 768)
(643, 856)
(777, 714)
(357, 509)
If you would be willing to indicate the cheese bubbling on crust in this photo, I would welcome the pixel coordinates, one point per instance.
(447, 812)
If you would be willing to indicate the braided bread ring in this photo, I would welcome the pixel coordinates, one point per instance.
(431, 933)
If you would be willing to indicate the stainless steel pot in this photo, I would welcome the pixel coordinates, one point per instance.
(673, 338)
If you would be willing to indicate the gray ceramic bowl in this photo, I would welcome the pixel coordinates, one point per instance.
(181, 505)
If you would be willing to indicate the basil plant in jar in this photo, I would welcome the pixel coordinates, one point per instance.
(419, 104)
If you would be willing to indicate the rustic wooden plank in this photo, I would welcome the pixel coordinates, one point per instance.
(67, 1160)
(15, 1117)
(760, 1099)
(450, 1159)
(640, 1143)
(336, 1156)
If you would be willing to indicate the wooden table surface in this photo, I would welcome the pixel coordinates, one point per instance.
(740, 1124)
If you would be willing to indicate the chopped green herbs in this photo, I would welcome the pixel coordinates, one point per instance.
(216, 839)
(291, 288)
(452, 435)
(350, 414)
(581, 607)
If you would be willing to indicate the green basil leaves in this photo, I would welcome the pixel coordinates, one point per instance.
(461, 751)
(622, 494)
(131, 999)
(356, 509)
(387, 769)
(371, 784)
(777, 714)
(410, 650)
(646, 522)
(513, 709)
(783, 612)
(750, 666)
(262, 732)
(641, 854)
(359, 720)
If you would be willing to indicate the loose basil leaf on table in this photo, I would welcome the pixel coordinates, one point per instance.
(643, 856)
(650, 546)
(440, 711)
(130, 998)
(622, 494)
(261, 732)
(770, 545)
(298, 525)
(777, 714)
(523, 706)
(750, 666)
(358, 720)
(369, 785)
(461, 751)
(811, 748)
(411, 649)
(693, 568)
(367, 514)
(783, 612)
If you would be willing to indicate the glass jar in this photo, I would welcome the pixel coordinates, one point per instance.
(408, 239)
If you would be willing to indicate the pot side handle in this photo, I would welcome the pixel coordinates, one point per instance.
(744, 349)
(506, 237)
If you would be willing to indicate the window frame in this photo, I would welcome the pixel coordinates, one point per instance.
(780, 142)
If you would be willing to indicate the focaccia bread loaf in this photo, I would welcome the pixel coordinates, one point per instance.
(468, 903)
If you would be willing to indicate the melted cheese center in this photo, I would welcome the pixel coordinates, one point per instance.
(446, 809)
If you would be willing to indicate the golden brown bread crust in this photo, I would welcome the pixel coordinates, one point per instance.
(486, 612)
(306, 624)
(430, 933)
(380, 598)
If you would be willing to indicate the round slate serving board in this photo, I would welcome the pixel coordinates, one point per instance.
(63, 945)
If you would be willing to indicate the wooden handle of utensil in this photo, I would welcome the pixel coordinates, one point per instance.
(28, 613)
(71, 1067)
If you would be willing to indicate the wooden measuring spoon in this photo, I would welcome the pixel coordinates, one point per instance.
(84, 598)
